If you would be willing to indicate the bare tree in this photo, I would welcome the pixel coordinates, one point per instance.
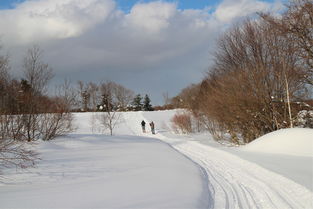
(166, 98)
(4, 68)
(109, 120)
(94, 95)
(254, 76)
(296, 26)
(36, 72)
(105, 94)
(5, 80)
(13, 152)
(114, 97)
(85, 95)
(42, 117)
(57, 120)
(68, 93)
(122, 95)
(11, 123)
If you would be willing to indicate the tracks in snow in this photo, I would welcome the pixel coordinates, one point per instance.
(237, 183)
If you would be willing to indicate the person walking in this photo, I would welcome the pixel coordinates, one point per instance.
(152, 127)
(143, 126)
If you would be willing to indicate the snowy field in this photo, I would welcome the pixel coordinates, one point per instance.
(134, 170)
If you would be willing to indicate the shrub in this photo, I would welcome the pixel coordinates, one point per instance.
(182, 123)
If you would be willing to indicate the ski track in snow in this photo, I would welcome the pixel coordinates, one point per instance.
(233, 182)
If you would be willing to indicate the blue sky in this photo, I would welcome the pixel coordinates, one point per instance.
(8, 4)
(126, 5)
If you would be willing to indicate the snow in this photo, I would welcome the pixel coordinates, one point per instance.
(297, 168)
(89, 169)
(246, 179)
(98, 171)
(295, 141)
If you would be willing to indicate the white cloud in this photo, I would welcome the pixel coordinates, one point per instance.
(41, 20)
(151, 17)
(92, 40)
(231, 9)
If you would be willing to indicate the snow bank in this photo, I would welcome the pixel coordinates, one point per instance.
(87, 170)
(295, 141)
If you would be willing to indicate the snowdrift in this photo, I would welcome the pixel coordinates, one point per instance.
(291, 141)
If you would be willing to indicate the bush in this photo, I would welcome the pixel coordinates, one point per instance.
(182, 123)
(212, 126)
(57, 121)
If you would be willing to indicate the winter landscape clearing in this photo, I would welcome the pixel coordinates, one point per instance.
(87, 169)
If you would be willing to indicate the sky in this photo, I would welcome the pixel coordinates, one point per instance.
(126, 5)
(151, 47)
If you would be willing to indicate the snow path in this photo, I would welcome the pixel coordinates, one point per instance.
(243, 184)
(232, 181)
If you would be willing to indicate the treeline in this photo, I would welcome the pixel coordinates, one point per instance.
(23, 102)
(28, 113)
(261, 78)
(108, 96)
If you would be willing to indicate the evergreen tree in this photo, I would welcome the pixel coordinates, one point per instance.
(25, 86)
(107, 103)
(146, 104)
(137, 104)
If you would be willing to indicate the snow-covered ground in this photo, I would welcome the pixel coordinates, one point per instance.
(134, 170)
(252, 176)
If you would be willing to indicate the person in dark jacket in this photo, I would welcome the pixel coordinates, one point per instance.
(143, 126)
(152, 127)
